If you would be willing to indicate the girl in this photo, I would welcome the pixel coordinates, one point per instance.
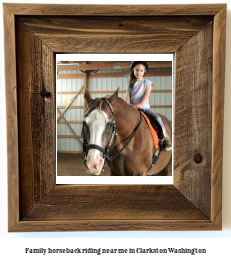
(138, 92)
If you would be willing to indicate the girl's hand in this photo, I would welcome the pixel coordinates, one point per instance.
(146, 97)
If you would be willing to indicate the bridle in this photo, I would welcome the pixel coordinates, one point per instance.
(110, 145)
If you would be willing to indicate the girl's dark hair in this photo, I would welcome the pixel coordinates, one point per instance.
(132, 79)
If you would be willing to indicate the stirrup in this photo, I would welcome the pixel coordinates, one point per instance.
(167, 144)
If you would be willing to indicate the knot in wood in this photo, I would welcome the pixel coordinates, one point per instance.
(198, 158)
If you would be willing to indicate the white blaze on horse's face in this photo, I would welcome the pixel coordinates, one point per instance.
(96, 121)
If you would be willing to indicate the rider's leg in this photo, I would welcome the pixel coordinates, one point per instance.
(167, 143)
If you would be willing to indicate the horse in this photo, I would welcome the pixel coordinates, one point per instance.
(116, 132)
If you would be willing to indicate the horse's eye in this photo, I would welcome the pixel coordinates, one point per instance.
(109, 125)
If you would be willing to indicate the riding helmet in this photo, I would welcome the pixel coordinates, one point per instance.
(133, 64)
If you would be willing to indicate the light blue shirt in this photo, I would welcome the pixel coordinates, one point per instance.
(138, 91)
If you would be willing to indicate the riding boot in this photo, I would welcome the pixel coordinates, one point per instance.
(166, 141)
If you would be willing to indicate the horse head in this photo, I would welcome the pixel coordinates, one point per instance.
(98, 131)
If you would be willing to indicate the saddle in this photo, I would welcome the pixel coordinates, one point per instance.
(157, 128)
(153, 131)
(156, 132)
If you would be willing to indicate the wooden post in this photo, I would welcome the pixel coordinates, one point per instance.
(85, 82)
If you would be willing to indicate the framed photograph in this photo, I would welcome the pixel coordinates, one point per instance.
(102, 76)
(34, 34)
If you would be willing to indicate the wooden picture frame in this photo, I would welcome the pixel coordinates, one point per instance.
(33, 34)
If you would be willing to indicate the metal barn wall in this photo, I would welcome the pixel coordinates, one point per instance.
(68, 85)
(102, 84)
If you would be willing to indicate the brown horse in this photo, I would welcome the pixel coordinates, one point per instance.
(115, 132)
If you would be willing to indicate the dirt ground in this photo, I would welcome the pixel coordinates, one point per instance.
(71, 164)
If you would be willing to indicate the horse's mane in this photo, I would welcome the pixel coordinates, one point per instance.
(108, 97)
(92, 105)
(98, 103)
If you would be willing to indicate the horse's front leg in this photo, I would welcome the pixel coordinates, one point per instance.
(142, 173)
(113, 173)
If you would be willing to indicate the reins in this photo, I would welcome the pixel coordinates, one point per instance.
(131, 136)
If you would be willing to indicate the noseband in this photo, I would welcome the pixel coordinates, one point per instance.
(109, 147)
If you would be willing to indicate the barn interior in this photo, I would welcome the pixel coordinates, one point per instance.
(101, 78)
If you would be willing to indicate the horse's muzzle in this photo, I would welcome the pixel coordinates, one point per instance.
(94, 166)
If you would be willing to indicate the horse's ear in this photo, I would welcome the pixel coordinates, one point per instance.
(87, 95)
(115, 95)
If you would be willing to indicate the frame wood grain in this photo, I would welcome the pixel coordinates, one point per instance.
(33, 34)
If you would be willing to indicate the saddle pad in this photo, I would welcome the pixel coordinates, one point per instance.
(153, 132)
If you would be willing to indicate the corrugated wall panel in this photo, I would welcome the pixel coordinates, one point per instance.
(66, 85)
(103, 84)
(162, 83)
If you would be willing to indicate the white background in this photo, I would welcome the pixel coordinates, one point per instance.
(217, 243)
